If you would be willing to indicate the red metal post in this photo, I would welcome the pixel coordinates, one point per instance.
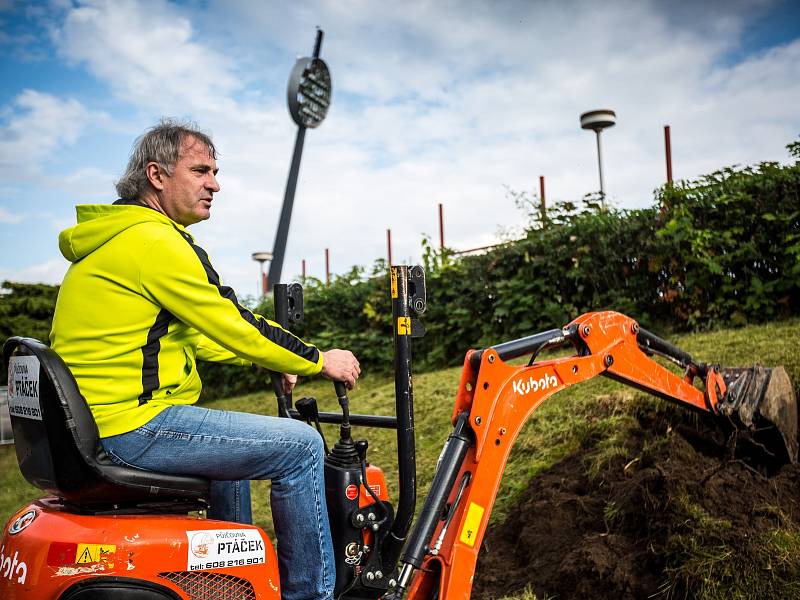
(264, 285)
(542, 205)
(389, 245)
(327, 267)
(303, 263)
(441, 226)
(668, 150)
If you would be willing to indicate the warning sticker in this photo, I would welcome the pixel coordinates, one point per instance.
(23, 387)
(222, 548)
(403, 325)
(95, 553)
(394, 282)
(469, 533)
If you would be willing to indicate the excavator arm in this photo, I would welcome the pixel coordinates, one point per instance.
(496, 398)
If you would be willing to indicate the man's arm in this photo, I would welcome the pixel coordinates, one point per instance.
(340, 365)
(177, 275)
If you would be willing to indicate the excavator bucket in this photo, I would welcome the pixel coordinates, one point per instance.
(764, 402)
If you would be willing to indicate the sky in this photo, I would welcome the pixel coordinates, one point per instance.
(451, 102)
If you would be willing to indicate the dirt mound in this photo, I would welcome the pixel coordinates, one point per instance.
(635, 529)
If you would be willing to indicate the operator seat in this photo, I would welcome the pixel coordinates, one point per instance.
(58, 445)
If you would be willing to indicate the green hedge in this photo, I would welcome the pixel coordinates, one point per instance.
(734, 236)
(26, 309)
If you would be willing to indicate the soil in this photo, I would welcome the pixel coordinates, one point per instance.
(620, 534)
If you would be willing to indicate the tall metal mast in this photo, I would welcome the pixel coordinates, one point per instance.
(308, 96)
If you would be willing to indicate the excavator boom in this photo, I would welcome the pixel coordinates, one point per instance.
(496, 398)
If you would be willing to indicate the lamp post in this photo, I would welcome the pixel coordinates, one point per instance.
(261, 258)
(597, 120)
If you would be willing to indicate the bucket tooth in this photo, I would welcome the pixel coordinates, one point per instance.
(762, 399)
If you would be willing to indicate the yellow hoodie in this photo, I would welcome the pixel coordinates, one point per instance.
(140, 305)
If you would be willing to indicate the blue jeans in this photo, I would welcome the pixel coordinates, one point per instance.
(230, 448)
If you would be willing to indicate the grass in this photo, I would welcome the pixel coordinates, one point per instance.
(525, 595)
(714, 570)
(15, 492)
(597, 410)
(696, 516)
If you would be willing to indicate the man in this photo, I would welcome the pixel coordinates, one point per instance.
(141, 304)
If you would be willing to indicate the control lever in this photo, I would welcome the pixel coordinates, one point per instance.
(361, 449)
(341, 395)
(288, 303)
(343, 453)
(284, 400)
(307, 407)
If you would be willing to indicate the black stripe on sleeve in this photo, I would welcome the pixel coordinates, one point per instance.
(277, 335)
(150, 352)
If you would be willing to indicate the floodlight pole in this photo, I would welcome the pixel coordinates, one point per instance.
(279, 248)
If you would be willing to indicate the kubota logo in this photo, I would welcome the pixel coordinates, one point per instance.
(22, 522)
(523, 387)
(12, 568)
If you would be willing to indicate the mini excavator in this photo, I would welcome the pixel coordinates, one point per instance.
(105, 531)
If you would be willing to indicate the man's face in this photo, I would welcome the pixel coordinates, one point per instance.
(187, 193)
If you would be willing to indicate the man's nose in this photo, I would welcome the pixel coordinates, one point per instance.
(212, 184)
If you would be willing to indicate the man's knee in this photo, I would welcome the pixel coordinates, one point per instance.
(309, 438)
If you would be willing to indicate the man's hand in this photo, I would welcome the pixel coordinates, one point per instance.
(341, 365)
(288, 381)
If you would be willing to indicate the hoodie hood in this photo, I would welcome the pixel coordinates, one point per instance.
(98, 223)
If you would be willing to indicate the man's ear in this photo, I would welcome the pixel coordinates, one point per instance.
(155, 175)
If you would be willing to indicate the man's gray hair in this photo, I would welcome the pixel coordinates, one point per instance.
(160, 144)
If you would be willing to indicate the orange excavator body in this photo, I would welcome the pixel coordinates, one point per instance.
(49, 552)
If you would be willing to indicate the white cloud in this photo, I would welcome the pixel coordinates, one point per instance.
(37, 126)
(149, 54)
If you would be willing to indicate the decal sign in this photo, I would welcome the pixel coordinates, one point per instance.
(351, 492)
(22, 522)
(86, 554)
(11, 567)
(23, 387)
(469, 533)
(222, 548)
(72, 553)
(403, 325)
